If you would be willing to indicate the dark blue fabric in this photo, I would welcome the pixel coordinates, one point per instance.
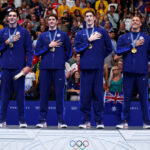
(141, 81)
(92, 58)
(15, 58)
(7, 84)
(53, 60)
(138, 62)
(71, 85)
(46, 78)
(91, 93)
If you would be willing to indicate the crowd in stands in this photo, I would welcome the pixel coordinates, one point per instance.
(113, 15)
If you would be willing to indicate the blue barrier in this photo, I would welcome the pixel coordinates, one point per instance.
(72, 114)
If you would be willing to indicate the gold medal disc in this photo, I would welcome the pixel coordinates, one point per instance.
(133, 50)
(90, 46)
(11, 45)
(52, 49)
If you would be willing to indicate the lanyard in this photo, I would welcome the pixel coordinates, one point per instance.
(134, 43)
(50, 36)
(11, 39)
(87, 33)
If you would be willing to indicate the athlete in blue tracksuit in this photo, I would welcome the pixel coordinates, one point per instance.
(55, 48)
(94, 45)
(135, 48)
(16, 55)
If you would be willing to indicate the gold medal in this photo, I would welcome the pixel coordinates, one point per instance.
(90, 46)
(52, 49)
(11, 45)
(133, 50)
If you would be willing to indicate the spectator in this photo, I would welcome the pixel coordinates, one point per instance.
(122, 29)
(127, 20)
(55, 5)
(109, 59)
(113, 17)
(83, 4)
(102, 10)
(73, 86)
(65, 21)
(63, 8)
(113, 3)
(30, 85)
(75, 66)
(140, 7)
(101, 1)
(36, 7)
(34, 22)
(88, 7)
(107, 26)
(115, 83)
(144, 28)
(75, 28)
(76, 7)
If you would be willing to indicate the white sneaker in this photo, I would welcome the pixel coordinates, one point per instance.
(3, 125)
(100, 126)
(122, 126)
(23, 125)
(86, 125)
(62, 125)
(146, 126)
(41, 125)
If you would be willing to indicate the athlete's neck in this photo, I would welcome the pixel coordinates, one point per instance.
(52, 28)
(14, 25)
(90, 26)
(135, 29)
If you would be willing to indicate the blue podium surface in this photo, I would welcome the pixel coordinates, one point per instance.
(72, 114)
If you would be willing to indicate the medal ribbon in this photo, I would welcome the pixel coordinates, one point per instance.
(134, 43)
(87, 33)
(11, 39)
(50, 36)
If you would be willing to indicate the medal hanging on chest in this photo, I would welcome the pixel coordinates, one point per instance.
(11, 38)
(50, 37)
(87, 34)
(134, 50)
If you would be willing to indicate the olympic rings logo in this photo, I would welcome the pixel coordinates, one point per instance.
(79, 144)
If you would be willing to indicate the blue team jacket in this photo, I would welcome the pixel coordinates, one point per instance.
(22, 52)
(92, 58)
(53, 60)
(137, 62)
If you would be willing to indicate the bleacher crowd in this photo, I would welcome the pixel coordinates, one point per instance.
(113, 15)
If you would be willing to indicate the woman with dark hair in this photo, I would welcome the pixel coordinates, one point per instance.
(73, 87)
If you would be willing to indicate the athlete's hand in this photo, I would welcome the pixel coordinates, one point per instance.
(54, 43)
(26, 70)
(16, 37)
(94, 36)
(140, 42)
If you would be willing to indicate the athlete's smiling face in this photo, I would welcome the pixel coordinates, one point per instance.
(136, 23)
(52, 22)
(12, 18)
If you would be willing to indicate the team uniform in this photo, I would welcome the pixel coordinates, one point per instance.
(13, 60)
(52, 69)
(92, 56)
(135, 70)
